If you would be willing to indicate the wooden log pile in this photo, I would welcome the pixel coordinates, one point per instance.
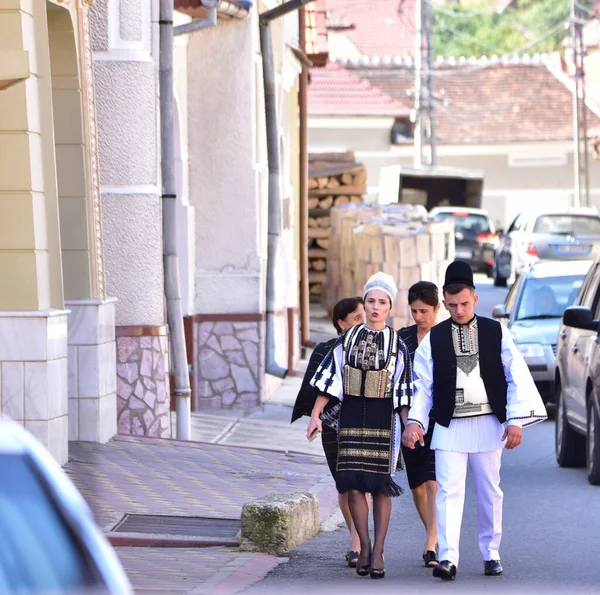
(341, 253)
(335, 179)
(397, 239)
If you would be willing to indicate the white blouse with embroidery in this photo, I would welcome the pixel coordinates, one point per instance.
(483, 433)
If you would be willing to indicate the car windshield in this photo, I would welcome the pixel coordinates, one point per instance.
(38, 553)
(572, 225)
(548, 297)
(469, 224)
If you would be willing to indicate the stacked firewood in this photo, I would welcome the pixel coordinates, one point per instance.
(397, 239)
(335, 179)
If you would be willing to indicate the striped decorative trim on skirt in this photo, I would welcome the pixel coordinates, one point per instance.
(365, 443)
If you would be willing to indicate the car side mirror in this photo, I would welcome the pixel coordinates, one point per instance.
(579, 317)
(499, 311)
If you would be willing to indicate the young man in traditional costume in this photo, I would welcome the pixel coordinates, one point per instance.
(470, 373)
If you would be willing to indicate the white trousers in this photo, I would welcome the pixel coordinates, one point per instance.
(451, 474)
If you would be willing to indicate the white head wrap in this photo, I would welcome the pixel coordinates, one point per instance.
(382, 282)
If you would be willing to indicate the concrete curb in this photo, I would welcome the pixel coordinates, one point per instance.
(279, 522)
(239, 574)
(323, 491)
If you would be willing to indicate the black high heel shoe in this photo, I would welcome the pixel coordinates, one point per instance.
(363, 570)
(352, 558)
(378, 572)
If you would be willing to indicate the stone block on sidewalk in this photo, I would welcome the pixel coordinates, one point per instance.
(280, 522)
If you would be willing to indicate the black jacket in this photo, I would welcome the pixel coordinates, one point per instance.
(307, 395)
(490, 365)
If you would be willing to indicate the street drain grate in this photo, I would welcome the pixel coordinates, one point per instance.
(184, 526)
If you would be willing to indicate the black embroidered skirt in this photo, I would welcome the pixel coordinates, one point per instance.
(367, 448)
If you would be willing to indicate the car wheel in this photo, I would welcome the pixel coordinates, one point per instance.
(570, 446)
(593, 443)
(489, 270)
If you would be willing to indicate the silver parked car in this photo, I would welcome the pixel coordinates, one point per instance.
(578, 381)
(49, 541)
(533, 309)
(573, 234)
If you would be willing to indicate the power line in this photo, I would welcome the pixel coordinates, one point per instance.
(496, 50)
(461, 35)
(463, 15)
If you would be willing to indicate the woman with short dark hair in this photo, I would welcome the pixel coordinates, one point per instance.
(347, 313)
(424, 304)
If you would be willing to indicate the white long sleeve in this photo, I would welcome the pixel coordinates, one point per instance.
(423, 385)
(328, 378)
(524, 406)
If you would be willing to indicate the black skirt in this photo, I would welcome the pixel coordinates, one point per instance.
(420, 462)
(366, 447)
(329, 439)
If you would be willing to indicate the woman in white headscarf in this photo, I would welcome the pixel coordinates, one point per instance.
(369, 372)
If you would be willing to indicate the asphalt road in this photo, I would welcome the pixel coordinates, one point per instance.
(551, 525)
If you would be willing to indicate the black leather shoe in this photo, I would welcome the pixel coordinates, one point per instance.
(445, 570)
(492, 567)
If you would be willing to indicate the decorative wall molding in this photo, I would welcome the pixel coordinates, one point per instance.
(150, 189)
(90, 133)
(131, 48)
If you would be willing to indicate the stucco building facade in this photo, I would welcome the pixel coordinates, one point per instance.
(224, 178)
(84, 349)
(56, 321)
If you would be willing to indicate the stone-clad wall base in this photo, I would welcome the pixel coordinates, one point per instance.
(143, 382)
(229, 366)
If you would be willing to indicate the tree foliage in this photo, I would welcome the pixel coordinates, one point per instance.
(528, 26)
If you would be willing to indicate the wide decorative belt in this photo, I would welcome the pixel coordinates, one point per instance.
(371, 384)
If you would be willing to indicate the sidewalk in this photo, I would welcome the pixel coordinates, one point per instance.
(167, 477)
(267, 426)
(236, 459)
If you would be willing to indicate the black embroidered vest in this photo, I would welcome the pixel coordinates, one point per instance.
(444, 369)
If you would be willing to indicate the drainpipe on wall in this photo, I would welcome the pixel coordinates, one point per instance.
(303, 190)
(169, 204)
(274, 208)
(214, 7)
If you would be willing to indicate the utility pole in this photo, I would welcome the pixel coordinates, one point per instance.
(430, 85)
(418, 131)
(580, 135)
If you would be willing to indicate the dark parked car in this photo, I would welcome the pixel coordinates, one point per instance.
(532, 312)
(578, 381)
(566, 235)
(49, 540)
(474, 235)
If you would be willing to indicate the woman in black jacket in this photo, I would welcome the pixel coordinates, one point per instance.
(424, 306)
(346, 313)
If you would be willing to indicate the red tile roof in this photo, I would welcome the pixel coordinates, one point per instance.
(316, 32)
(333, 91)
(378, 27)
(486, 102)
